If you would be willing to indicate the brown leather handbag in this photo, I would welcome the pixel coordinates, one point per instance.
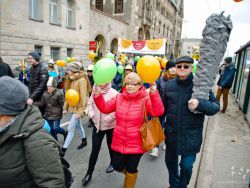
(151, 131)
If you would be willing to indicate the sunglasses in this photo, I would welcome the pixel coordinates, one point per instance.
(184, 66)
(131, 84)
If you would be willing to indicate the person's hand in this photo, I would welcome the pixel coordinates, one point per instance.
(193, 104)
(153, 88)
(64, 112)
(96, 90)
(220, 87)
(30, 101)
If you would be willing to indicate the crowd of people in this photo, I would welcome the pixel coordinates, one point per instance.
(30, 154)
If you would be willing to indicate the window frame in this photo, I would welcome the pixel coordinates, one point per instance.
(51, 52)
(51, 8)
(114, 7)
(99, 5)
(39, 16)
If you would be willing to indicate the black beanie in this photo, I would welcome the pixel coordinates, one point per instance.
(170, 64)
(228, 60)
(35, 55)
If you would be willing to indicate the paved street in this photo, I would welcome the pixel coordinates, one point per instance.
(226, 156)
(152, 172)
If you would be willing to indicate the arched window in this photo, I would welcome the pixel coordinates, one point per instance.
(140, 34)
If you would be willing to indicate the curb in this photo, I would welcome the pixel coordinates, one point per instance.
(197, 164)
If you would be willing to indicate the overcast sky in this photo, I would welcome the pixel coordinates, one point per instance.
(197, 11)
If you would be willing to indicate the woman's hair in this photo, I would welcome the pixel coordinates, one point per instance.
(131, 77)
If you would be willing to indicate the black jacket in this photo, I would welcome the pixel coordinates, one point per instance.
(38, 81)
(184, 128)
(52, 104)
(227, 77)
(5, 70)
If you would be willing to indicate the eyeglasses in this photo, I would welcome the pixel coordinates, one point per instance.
(127, 84)
(184, 66)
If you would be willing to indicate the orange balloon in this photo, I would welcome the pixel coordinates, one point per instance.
(148, 68)
(92, 55)
(72, 97)
(60, 63)
(163, 63)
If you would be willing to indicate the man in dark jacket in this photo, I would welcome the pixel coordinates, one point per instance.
(225, 82)
(39, 78)
(5, 69)
(29, 156)
(183, 127)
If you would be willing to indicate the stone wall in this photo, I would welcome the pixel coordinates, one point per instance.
(19, 33)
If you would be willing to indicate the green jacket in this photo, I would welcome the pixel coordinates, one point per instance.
(29, 156)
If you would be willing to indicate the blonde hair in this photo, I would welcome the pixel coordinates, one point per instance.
(132, 77)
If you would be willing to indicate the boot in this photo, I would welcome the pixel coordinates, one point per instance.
(63, 151)
(130, 180)
(83, 144)
(86, 179)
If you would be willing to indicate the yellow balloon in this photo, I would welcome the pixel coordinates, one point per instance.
(72, 97)
(164, 63)
(123, 60)
(122, 56)
(72, 59)
(148, 68)
(92, 55)
(60, 63)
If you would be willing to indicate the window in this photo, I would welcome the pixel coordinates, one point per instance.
(53, 11)
(118, 6)
(99, 4)
(54, 53)
(69, 13)
(38, 49)
(69, 52)
(35, 9)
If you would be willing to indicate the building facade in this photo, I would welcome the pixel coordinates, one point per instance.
(146, 19)
(54, 28)
(64, 28)
(189, 45)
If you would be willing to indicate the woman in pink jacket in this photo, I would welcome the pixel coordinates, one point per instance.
(127, 142)
(104, 124)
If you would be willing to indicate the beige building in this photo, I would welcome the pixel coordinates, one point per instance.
(145, 19)
(63, 28)
(56, 28)
(189, 45)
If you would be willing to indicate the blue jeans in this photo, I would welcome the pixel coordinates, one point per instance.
(179, 179)
(74, 123)
(55, 128)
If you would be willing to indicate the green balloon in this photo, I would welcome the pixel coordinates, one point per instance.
(195, 67)
(104, 71)
(68, 59)
(110, 56)
(137, 58)
(120, 69)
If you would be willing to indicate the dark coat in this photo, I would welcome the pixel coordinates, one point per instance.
(184, 128)
(53, 105)
(29, 156)
(5, 70)
(38, 81)
(227, 77)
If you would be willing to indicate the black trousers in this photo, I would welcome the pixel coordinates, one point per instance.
(128, 162)
(96, 146)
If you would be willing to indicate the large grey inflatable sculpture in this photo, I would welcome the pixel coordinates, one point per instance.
(213, 46)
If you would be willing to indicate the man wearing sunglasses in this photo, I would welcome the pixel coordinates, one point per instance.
(183, 128)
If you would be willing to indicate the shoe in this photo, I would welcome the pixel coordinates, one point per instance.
(110, 169)
(164, 147)
(155, 152)
(83, 144)
(86, 179)
(223, 111)
(65, 134)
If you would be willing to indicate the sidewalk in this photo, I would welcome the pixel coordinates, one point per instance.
(225, 159)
